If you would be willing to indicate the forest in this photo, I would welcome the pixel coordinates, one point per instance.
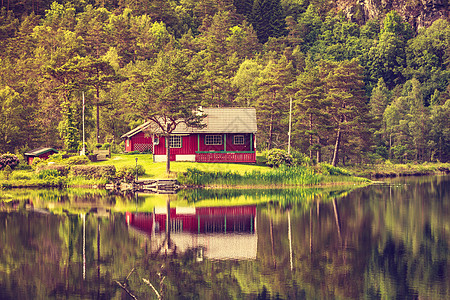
(361, 92)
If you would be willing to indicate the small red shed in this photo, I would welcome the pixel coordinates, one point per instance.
(228, 136)
(42, 153)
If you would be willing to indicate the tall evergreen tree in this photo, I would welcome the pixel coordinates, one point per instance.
(267, 19)
(348, 110)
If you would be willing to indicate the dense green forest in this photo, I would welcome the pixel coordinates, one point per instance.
(361, 92)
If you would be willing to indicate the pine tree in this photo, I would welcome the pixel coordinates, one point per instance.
(267, 19)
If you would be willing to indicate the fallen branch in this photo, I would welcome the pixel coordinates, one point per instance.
(126, 290)
(129, 274)
(151, 285)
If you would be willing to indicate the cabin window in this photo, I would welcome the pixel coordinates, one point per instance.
(128, 142)
(175, 141)
(213, 139)
(238, 140)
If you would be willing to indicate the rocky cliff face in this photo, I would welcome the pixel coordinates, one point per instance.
(419, 13)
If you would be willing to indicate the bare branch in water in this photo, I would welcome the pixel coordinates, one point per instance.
(151, 285)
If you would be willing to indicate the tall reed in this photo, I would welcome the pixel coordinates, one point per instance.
(279, 176)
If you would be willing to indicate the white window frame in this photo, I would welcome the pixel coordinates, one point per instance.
(175, 141)
(239, 139)
(213, 139)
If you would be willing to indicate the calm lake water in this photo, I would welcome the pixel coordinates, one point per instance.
(388, 241)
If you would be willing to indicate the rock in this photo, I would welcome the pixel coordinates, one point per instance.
(418, 13)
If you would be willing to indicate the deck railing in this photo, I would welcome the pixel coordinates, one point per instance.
(220, 156)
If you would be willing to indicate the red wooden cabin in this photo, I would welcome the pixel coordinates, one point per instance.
(42, 153)
(229, 136)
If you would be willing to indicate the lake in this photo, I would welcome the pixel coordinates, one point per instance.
(388, 240)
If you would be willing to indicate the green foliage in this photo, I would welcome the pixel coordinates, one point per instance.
(63, 170)
(21, 176)
(36, 162)
(78, 160)
(128, 174)
(48, 174)
(93, 171)
(280, 176)
(7, 172)
(168, 57)
(278, 157)
(327, 169)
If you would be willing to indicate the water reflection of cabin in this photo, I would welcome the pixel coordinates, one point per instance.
(238, 219)
(223, 232)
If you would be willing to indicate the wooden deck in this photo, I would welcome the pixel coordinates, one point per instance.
(226, 157)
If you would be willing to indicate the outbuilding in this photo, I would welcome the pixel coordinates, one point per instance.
(229, 135)
(42, 153)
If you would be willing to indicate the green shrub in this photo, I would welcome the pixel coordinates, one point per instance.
(36, 162)
(133, 152)
(78, 160)
(301, 159)
(21, 176)
(63, 170)
(48, 174)
(93, 172)
(327, 169)
(23, 165)
(106, 146)
(7, 172)
(128, 173)
(278, 157)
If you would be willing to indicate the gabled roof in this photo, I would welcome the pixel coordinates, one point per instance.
(136, 130)
(40, 151)
(217, 120)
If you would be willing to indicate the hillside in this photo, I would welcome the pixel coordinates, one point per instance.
(369, 80)
(418, 13)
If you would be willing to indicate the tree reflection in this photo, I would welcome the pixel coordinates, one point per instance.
(386, 241)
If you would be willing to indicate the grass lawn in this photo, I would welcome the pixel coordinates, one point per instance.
(158, 170)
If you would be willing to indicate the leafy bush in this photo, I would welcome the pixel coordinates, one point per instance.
(94, 172)
(62, 170)
(327, 169)
(78, 160)
(36, 162)
(133, 152)
(278, 157)
(8, 159)
(106, 146)
(7, 172)
(48, 174)
(128, 173)
(21, 176)
(301, 159)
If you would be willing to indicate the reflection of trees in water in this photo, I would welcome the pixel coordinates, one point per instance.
(381, 241)
(284, 197)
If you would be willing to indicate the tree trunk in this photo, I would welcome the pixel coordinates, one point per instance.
(336, 148)
(168, 153)
(319, 154)
(98, 116)
(390, 146)
(310, 137)
(269, 146)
